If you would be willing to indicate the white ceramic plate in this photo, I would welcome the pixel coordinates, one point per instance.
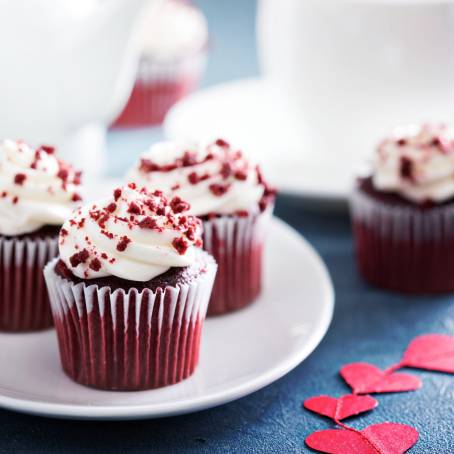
(241, 352)
(252, 114)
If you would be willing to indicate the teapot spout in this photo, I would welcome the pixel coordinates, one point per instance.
(101, 64)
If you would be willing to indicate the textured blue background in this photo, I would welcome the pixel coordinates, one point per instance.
(369, 325)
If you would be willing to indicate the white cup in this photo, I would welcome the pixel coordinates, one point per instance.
(352, 70)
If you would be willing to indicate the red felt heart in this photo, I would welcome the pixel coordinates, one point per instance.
(432, 352)
(385, 438)
(341, 408)
(365, 378)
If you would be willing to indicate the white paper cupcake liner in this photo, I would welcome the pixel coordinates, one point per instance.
(130, 340)
(404, 248)
(24, 303)
(236, 243)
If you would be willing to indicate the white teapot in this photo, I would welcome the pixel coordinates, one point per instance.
(353, 69)
(66, 69)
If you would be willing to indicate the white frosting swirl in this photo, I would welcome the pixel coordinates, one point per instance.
(214, 179)
(417, 163)
(173, 29)
(133, 235)
(36, 188)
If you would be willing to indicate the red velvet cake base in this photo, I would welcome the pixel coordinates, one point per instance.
(236, 243)
(24, 302)
(117, 340)
(401, 246)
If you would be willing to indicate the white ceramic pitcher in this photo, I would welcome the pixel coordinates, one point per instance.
(66, 69)
(352, 69)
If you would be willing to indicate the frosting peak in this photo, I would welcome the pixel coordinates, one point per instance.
(36, 188)
(134, 235)
(417, 163)
(214, 179)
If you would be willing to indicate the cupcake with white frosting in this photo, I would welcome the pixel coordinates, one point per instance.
(174, 48)
(235, 203)
(38, 191)
(131, 277)
(403, 213)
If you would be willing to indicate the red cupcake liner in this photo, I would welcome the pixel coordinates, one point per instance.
(405, 249)
(24, 303)
(158, 87)
(117, 340)
(236, 243)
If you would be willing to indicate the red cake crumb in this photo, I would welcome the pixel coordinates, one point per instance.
(181, 245)
(79, 257)
(178, 205)
(76, 197)
(133, 208)
(63, 174)
(148, 223)
(49, 149)
(241, 175)
(189, 159)
(226, 170)
(95, 264)
(15, 200)
(219, 189)
(117, 194)
(406, 168)
(123, 243)
(63, 232)
(222, 143)
(111, 207)
(193, 178)
(190, 234)
(19, 178)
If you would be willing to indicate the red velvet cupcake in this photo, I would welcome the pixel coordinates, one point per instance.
(129, 292)
(229, 194)
(37, 194)
(403, 215)
(174, 48)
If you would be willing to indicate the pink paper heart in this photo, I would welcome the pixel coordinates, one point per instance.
(432, 352)
(365, 378)
(342, 407)
(385, 438)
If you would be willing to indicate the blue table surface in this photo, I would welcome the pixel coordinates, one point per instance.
(368, 325)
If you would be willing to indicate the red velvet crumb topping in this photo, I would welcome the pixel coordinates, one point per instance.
(181, 245)
(79, 257)
(219, 189)
(123, 243)
(19, 178)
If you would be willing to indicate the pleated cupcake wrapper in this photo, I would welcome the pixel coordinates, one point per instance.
(133, 340)
(236, 243)
(24, 303)
(158, 86)
(404, 248)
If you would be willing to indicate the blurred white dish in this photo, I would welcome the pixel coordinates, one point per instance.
(67, 70)
(252, 113)
(354, 69)
(241, 352)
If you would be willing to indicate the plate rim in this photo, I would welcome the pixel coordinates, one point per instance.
(149, 411)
